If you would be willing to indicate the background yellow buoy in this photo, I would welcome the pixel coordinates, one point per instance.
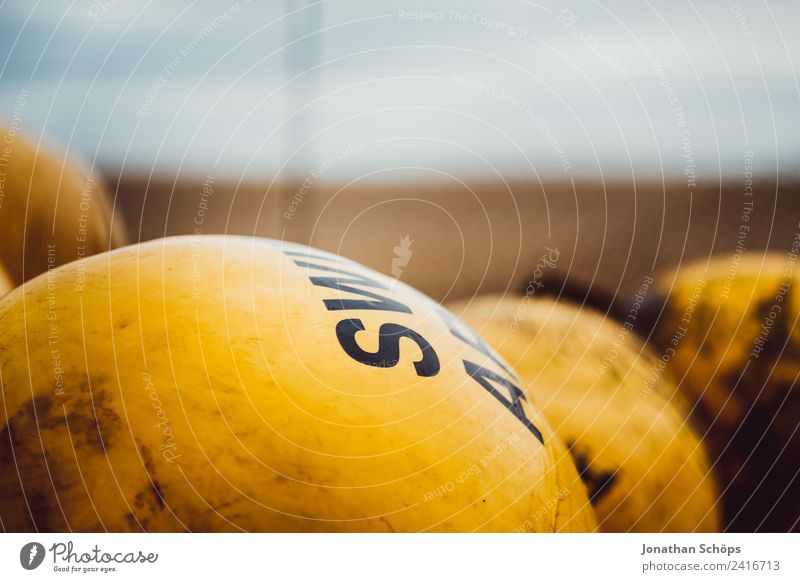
(6, 283)
(730, 332)
(602, 392)
(215, 384)
(52, 210)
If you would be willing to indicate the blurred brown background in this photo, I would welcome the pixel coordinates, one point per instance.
(486, 236)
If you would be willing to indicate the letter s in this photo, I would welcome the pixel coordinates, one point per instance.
(388, 354)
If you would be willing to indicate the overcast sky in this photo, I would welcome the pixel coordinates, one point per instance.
(462, 88)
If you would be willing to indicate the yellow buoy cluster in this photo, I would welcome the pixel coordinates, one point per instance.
(720, 360)
(215, 384)
(628, 431)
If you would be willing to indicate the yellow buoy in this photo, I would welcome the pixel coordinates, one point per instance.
(52, 211)
(6, 282)
(730, 331)
(216, 384)
(601, 390)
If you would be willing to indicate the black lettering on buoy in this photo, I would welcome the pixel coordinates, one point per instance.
(485, 378)
(337, 269)
(598, 482)
(379, 302)
(461, 331)
(349, 282)
(388, 354)
(319, 255)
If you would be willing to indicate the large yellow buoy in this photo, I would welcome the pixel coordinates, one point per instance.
(215, 384)
(602, 392)
(730, 331)
(52, 211)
